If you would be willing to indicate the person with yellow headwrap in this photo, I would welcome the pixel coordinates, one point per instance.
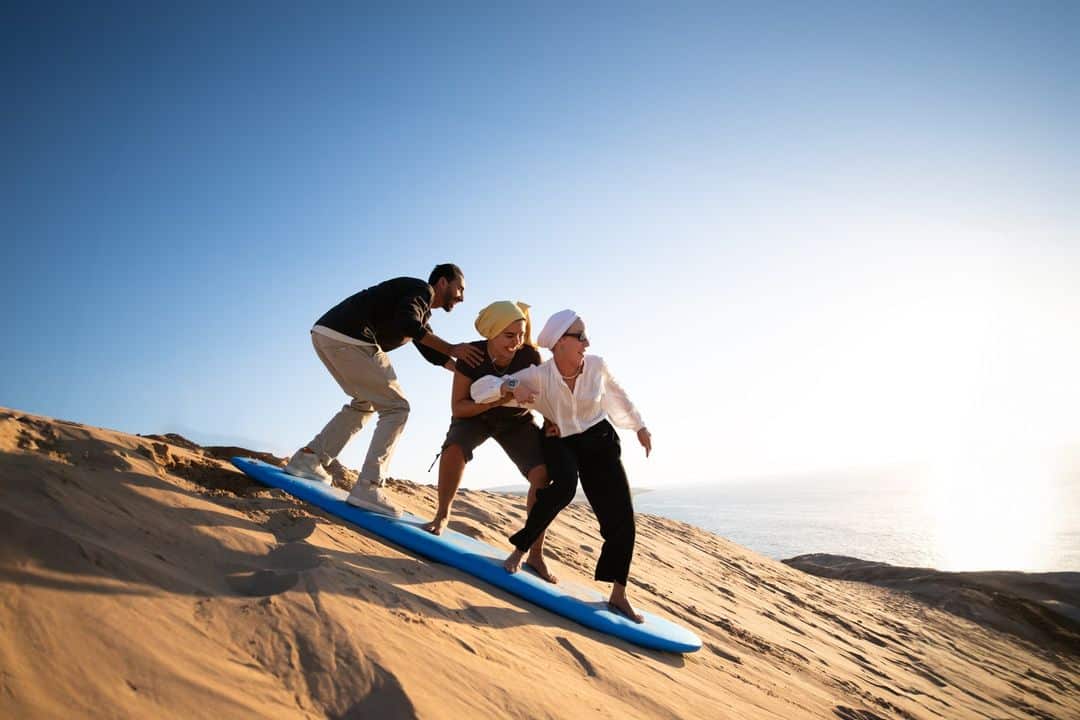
(507, 348)
(497, 316)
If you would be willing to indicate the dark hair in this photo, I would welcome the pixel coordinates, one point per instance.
(450, 271)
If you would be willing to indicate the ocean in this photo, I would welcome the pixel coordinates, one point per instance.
(1031, 527)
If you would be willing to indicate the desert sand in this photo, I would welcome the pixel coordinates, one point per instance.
(145, 577)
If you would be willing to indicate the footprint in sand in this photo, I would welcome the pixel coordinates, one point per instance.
(282, 566)
(287, 529)
(262, 582)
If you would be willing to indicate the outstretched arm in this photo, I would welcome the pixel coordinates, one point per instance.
(409, 316)
(435, 357)
(461, 351)
(621, 411)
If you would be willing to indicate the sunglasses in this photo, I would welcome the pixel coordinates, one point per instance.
(579, 336)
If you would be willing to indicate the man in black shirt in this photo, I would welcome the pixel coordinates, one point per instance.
(352, 339)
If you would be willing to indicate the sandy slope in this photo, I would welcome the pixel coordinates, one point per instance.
(144, 579)
(1040, 607)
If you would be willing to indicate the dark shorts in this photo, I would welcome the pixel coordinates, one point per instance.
(519, 437)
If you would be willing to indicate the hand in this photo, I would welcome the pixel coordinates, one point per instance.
(467, 353)
(645, 438)
(551, 429)
(523, 394)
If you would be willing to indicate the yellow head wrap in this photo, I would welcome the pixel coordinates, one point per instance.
(493, 319)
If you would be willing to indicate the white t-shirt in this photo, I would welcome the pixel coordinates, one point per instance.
(596, 395)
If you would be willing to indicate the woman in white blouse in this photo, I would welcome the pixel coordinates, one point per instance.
(577, 395)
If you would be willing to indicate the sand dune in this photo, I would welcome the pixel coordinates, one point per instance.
(144, 577)
(1043, 608)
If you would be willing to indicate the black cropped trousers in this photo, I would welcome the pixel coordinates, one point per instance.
(594, 456)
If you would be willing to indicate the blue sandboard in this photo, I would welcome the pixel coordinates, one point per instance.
(577, 602)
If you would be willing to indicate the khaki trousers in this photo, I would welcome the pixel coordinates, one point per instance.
(365, 374)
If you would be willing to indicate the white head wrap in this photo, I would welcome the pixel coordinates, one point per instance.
(555, 327)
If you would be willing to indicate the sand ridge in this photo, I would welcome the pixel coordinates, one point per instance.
(140, 577)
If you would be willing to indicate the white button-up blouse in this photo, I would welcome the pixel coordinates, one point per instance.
(596, 395)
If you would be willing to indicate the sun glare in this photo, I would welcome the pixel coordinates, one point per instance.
(994, 510)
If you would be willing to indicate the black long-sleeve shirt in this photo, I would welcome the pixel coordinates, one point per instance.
(388, 314)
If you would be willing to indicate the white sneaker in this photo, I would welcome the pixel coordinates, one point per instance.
(306, 465)
(370, 497)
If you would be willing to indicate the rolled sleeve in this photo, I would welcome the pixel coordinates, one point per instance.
(486, 389)
(489, 388)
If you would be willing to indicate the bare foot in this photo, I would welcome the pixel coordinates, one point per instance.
(536, 562)
(436, 526)
(622, 607)
(513, 563)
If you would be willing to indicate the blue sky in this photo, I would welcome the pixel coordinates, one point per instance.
(805, 236)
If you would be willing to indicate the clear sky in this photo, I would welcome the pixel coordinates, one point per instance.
(804, 235)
